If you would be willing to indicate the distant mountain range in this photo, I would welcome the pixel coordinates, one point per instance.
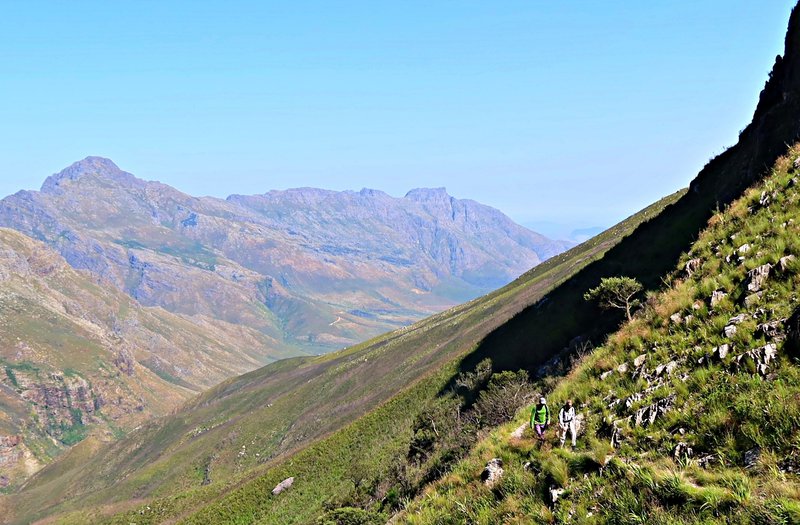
(312, 269)
(567, 232)
(121, 297)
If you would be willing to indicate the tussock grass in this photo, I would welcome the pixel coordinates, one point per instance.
(722, 411)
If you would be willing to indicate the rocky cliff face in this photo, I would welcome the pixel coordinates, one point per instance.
(774, 125)
(310, 269)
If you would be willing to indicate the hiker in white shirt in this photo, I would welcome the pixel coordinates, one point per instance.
(566, 419)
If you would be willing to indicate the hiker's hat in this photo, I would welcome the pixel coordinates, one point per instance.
(542, 400)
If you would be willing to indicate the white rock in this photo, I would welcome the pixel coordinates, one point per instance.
(282, 486)
(493, 472)
(716, 297)
(555, 493)
(670, 367)
(757, 277)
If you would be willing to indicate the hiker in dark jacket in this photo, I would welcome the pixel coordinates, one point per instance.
(540, 418)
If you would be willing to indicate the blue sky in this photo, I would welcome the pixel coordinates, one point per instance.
(577, 113)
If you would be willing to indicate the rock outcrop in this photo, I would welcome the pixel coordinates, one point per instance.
(493, 472)
(647, 415)
(757, 277)
(283, 486)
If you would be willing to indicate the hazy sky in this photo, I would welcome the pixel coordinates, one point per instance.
(571, 112)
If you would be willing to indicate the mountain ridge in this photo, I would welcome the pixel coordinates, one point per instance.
(277, 275)
(136, 234)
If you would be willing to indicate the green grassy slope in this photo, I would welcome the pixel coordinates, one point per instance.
(739, 413)
(291, 403)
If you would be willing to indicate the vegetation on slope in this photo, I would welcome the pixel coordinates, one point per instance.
(686, 420)
(284, 406)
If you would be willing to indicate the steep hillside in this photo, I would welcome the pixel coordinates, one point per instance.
(222, 466)
(690, 413)
(248, 426)
(313, 270)
(77, 357)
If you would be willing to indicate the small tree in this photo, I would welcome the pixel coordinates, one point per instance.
(616, 292)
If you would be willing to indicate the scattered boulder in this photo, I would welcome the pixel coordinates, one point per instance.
(605, 375)
(676, 318)
(790, 465)
(633, 399)
(667, 368)
(758, 358)
(622, 368)
(639, 360)
(757, 277)
(771, 329)
(719, 352)
(692, 266)
(493, 472)
(784, 262)
(648, 415)
(616, 435)
(716, 297)
(737, 319)
(555, 493)
(751, 457)
(729, 331)
(682, 451)
(743, 249)
(282, 486)
(707, 460)
(688, 319)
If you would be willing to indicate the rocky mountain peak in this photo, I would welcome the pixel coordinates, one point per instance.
(774, 125)
(428, 194)
(92, 165)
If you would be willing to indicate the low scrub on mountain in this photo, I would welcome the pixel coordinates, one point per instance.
(689, 413)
